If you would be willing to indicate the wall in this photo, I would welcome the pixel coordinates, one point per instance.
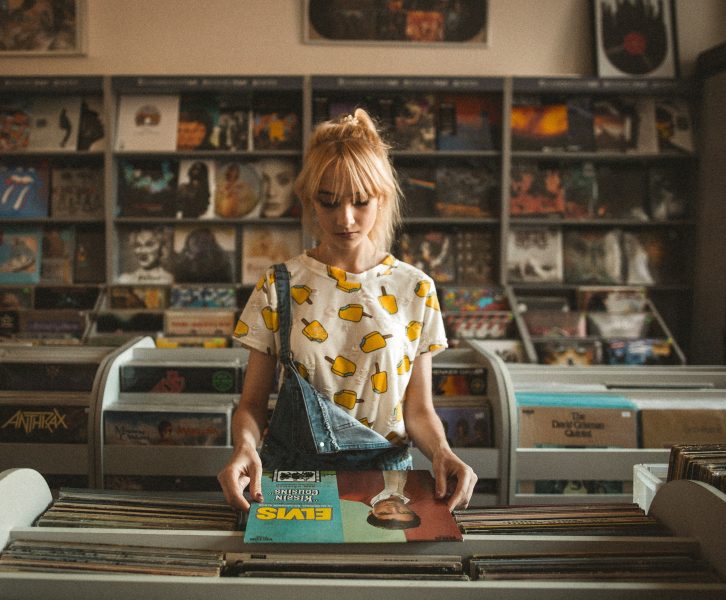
(527, 37)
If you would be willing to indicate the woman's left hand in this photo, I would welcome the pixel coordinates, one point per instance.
(451, 472)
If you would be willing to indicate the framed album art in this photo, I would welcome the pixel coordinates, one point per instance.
(635, 38)
(383, 22)
(49, 28)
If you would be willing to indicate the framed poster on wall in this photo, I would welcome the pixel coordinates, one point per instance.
(49, 28)
(385, 22)
(635, 38)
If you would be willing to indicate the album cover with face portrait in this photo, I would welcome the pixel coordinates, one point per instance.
(277, 198)
(349, 506)
(145, 255)
(203, 254)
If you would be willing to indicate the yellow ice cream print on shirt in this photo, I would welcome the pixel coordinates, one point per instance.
(422, 288)
(432, 301)
(271, 318)
(388, 302)
(301, 294)
(341, 366)
(404, 365)
(268, 278)
(302, 370)
(241, 329)
(375, 340)
(413, 330)
(352, 312)
(314, 331)
(379, 381)
(340, 278)
(346, 398)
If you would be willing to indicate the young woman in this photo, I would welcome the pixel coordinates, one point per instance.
(354, 328)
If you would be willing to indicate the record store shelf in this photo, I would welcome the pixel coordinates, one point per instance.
(693, 511)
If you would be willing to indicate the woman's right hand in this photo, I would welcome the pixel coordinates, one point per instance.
(243, 469)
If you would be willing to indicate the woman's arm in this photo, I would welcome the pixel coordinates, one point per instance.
(248, 423)
(425, 429)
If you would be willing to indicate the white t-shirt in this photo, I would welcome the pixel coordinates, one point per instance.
(354, 336)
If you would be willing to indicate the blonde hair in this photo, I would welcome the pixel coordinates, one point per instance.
(353, 147)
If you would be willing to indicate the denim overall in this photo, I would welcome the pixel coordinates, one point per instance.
(310, 432)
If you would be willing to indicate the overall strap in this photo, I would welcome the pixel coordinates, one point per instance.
(282, 286)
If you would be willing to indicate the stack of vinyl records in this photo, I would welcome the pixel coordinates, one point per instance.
(646, 566)
(560, 519)
(138, 510)
(701, 462)
(70, 557)
(346, 566)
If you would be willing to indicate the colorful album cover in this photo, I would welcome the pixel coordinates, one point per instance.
(233, 126)
(147, 187)
(536, 189)
(195, 189)
(554, 323)
(192, 341)
(136, 296)
(91, 128)
(277, 196)
(147, 122)
(43, 423)
(466, 426)
(479, 325)
(569, 352)
(668, 192)
(202, 297)
(16, 297)
(463, 190)
(538, 125)
(534, 255)
(54, 122)
(476, 257)
(418, 187)
(66, 297)
(350, 507)
(198, 121)
(580, 183)
(612, 300)
(652, 257)
(20, 254)
(510, 351)
(238, 189)
(203, 254)
(89, 264)
(184, 379)
(468, 122)
(458, 381)
(414, 123)
(145, 255)
(57, 255)
(593, 256)
(622, 192)
(675, 128)
(15, 120)
(639, 352)
(276, 125)
(470, 299)
(76, 193)
(24, 190)
(433, 251)
(267, 245)
(173, 427)
(631, 325)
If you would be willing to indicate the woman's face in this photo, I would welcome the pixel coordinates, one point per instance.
(147, 248)
(278, 178)
(345, 220)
